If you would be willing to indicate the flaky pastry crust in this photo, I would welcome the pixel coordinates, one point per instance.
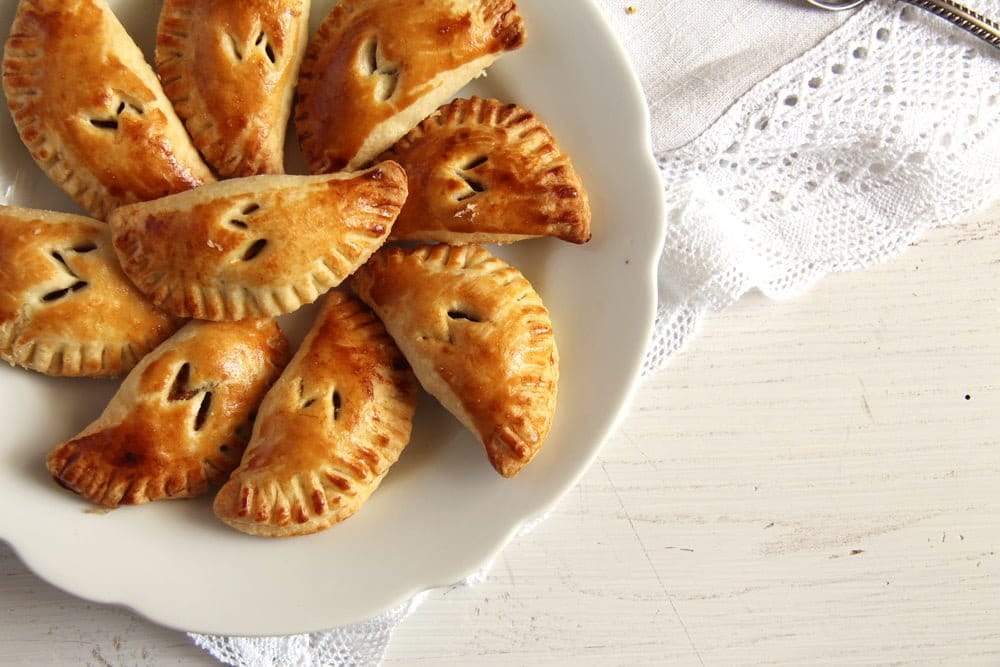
(230, 67)
(178, 422)
(328, 431)
(66, 308)
(478, 338)
(258, 246)
(90, 109)
(481, 171)
(376, 68)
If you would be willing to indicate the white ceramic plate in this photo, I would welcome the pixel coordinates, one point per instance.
(442, 513)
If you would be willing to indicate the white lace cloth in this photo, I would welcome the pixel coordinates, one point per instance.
(837, 160)
(840, 159)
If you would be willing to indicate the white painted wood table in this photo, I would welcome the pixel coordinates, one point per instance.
(815, 480)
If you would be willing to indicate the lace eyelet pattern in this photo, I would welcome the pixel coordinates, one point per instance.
(837, 161)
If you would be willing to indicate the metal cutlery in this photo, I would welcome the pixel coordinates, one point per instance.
(964, 17)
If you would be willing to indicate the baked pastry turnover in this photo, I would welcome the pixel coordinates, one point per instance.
(258, 246)
(481, 171)
(376, 68)
(90, 109)
(229, 67)
(478, 338)
(65, 306)
(327, 431)
(177, 424)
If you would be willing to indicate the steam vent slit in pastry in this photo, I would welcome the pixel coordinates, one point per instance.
(481, 171)
(230, 67)
(90, 109)
(328, 431)
(66, 308)
(376, 68)
(478, 338)
(180, 420)
(258, 246)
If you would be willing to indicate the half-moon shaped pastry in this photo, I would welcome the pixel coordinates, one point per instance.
(327, 431)
(90, 109)
(230, 67)
(65, 306)
(258, 246)
(179, 421)
(481, 171)
(478, 338)
(376, 68)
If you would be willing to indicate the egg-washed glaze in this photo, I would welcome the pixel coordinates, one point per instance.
(481, 171)
(259, 246)
(180, 420)
(230, 67)
(66, 308)
(376, 68)
(478, 337)
(328, 431)
(90, 109)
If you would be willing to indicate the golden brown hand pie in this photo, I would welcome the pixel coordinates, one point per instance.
(230, 67)
(65, 306)
(481, 171)
(90, 109)
(478, 337)
(327, 431)
(376, 68)
(178, 422)
(257, 246)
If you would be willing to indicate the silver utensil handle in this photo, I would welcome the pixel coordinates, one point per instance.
(965, 18)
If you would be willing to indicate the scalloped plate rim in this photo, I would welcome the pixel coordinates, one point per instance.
(646, 174)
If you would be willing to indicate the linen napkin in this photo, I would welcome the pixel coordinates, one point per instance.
(793, 143)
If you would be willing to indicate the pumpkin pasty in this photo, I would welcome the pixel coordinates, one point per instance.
(258, 246)
(230, 67)
(90, 109)
(481, 171)
(478, 338)
(328, 431)
(179, 421)
(376, 68)
(65, 306)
